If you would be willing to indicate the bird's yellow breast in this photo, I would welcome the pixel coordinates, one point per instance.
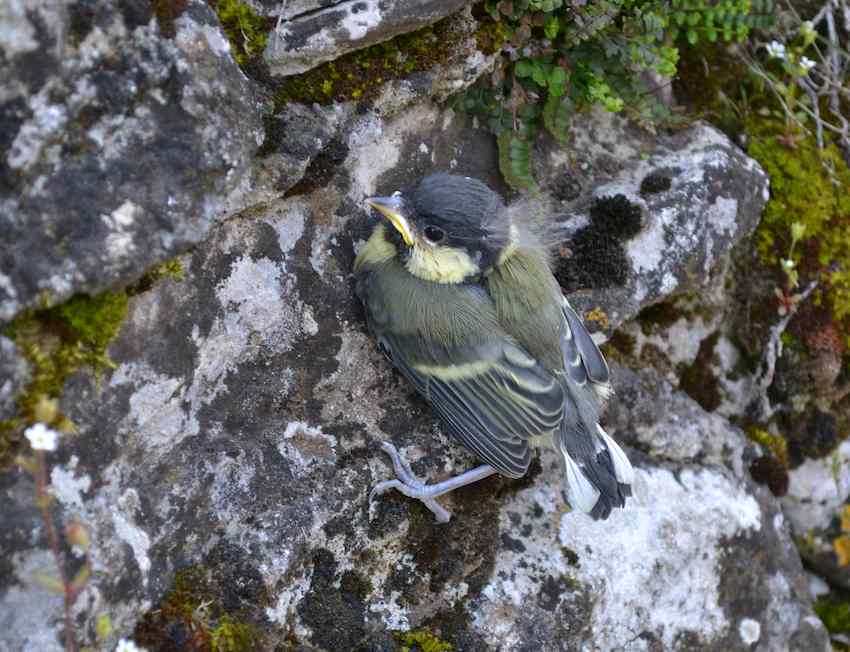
(441, 264)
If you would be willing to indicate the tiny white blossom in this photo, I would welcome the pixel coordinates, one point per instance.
(41, 437)
(788, 265)
(807, 27)
(776, 49)
(128, 645)
(806, 63)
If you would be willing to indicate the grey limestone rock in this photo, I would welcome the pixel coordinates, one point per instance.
(322, 31)
(120, 146)
(238, 434)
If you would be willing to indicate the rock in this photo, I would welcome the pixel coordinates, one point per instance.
(817, 491)
(120, 146)
(694, 195)
(325, 31)
(227, 458)
(14, 376)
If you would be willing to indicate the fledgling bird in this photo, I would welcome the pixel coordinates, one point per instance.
(462, 299)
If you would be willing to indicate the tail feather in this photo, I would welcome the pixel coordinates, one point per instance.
(597, 482)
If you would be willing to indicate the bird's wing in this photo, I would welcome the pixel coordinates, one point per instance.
(583, 360)
(492, 404)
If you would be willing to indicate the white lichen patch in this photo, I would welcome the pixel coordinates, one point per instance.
(128, 531)
(67, 487)
(817, 489)
(17, 33)
(288, 219)
(119, 241)
(307, 446)
(749, 630)
(28, 611)
(230, 490)
(375, 146)
(34, 134)
(360, 403)
(157, 419)
(361, 17)
(668, 543)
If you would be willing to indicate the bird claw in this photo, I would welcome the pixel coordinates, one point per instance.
(408, 483)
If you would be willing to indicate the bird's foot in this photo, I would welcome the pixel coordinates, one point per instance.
(408, 483)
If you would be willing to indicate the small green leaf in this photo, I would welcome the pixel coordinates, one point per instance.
(557, 114)
(523, 68)
(711, 33)
(515, 160)
(551, 28)
(692, 36)
(103, 626)
(538, 74)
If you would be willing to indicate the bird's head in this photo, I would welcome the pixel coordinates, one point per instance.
(452, 228)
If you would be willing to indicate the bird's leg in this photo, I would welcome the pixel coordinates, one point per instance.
(411, 486)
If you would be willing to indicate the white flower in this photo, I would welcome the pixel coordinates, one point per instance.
(127, 645)
(806, 63)
(807, 27)
(41, 437)
(776, 49)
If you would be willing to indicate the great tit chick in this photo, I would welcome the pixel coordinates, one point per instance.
(463, 301)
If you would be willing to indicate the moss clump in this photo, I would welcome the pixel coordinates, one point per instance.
(189, 617)
(654, 183)
(775, 444)
(491, 34)
(809, 187)
(247, 32)
(169, 269)
(359, 75)
(422, 640)
(659, 316)
(56, 342)
(834, 614)
(233, 636)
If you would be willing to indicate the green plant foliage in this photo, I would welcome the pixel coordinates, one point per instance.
(558, 57)
(515, 160)
(809, 188)
(247, 31)
(56, 342)
(422, 640)
(834, 614)
(360, 75)
(193, 607)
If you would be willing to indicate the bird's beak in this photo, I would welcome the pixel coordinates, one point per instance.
(391, 208)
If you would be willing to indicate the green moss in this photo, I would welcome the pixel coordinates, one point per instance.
(659, 316)
(810, 187)
(56, 342)
(775, 444)
(360, 75)
(190, 617)
(834, 614)
(247, 31)
(491, 34)
(169, 269)
(232, 636)
(422, 640)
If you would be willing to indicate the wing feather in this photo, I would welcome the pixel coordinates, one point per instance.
(493, 408)
(582, 358)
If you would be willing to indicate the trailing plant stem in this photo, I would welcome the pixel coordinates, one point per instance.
(43, 499)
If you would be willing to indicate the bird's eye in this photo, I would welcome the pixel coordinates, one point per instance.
(434, 234)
